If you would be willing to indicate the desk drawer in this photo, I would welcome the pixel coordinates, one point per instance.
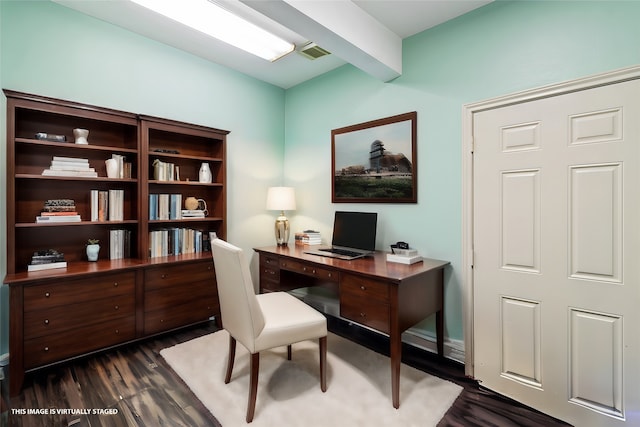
(309, 270)
(371, 313)
(363, 288)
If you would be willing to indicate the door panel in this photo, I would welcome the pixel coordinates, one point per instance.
(556, 235)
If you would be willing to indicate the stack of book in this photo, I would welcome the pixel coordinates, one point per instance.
(404, 256)
(70, 166)
(308, 237)
(58, 210)
(192, 213)
(45, 260)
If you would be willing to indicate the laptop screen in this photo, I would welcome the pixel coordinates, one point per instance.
(355, 230)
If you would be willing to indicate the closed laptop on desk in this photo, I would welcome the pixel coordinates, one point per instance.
(354, 236)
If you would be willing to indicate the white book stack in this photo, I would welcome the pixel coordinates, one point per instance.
(404, 256)
(70, 166)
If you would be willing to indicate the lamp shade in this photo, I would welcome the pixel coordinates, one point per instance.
(281, 199)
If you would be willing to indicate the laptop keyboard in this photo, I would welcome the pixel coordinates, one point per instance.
(341, 252)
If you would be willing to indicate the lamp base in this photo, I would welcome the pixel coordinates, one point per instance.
(282, 230)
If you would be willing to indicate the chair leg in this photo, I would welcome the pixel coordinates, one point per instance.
(289, 352)
(232, 356)
(323, 363)
(253, 386)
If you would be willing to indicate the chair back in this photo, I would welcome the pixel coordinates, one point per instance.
(241, 313)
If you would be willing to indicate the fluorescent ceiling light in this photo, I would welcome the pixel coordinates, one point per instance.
(211, 19)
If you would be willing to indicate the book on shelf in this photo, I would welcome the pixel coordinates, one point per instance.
(70, 159)
(47, 266)
(64, 213)
(176, 241)
(119, 244)
(164, 171)
(59, 205)
(58, 219)
(70, 173)
(116, 205)
(47, 256)
(70, 166)
(192, 213)
(44, 136)
(165, 206)
(103, 205)
(46, 259)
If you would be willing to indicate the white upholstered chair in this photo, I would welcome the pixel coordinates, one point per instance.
(261, 322)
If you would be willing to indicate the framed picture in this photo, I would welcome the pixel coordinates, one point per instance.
(376, 161)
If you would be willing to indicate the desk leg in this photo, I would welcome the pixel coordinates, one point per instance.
(440, 332)
(396, 359)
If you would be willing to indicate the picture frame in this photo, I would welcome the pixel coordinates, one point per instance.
(375, 161)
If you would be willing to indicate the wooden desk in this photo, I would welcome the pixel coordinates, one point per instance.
(387, 297)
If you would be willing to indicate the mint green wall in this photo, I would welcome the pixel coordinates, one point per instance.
(51, 50)
(501, 48)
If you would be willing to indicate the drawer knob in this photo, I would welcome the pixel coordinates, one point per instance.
(47, 294)
(363, 315)
(164, 276)
(46, 349)
(116, 307)
(313, 271)
(115, 284)
(46, 321)
(363, 287)
(210, 267)
(304, 268)
(329, 274)
(117, 331)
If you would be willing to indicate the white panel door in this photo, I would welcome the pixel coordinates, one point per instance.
(556, 235)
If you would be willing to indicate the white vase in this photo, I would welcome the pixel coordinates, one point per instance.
(112, 168)
(92, 252)
(80, 136)
(205, 173)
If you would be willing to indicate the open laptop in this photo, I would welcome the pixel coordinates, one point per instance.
(354, 236)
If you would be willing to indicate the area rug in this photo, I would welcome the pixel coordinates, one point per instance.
(358, 385)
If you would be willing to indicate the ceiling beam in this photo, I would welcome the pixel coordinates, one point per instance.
(342, 28)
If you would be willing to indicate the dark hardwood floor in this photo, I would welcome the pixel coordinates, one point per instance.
(133, 386)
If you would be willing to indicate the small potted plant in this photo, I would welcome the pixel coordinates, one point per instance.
(92, 249)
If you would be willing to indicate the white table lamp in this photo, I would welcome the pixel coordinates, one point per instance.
(281, 199)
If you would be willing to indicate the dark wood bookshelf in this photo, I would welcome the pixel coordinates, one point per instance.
(64, 313)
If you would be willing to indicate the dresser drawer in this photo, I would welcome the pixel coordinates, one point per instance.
(74, 291)
(307, 269)
(186, 293)
(363, 288)
(179, 315)
(177, 275)
(58, 319)
(55, 347)
(372, 313)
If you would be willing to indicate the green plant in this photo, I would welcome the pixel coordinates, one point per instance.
(93, 241)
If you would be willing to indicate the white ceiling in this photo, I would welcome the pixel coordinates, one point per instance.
(365, 33)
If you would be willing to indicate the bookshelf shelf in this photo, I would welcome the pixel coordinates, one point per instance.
(143, 284)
